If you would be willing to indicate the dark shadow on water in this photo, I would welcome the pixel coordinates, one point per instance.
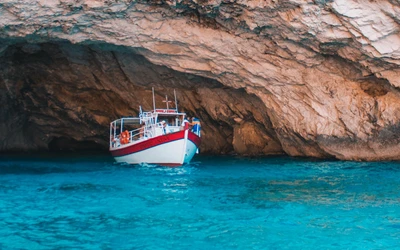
(64, 162)
(46, 163)
(57, 156)
(276, 159)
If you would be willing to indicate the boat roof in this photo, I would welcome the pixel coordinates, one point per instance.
(171, 112)
(128, 121)
(136, 120)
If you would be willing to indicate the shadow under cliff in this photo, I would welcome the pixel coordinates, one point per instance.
(62, 96)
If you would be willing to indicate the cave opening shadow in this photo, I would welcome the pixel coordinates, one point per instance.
(70, 145)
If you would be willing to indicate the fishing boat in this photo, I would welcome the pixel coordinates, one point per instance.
(161, 136)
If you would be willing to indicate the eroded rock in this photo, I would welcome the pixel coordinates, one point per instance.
(308, 78)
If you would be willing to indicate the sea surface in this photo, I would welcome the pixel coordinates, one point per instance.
(90, 202)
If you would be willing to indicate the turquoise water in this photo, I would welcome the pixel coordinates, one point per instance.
(215, 203)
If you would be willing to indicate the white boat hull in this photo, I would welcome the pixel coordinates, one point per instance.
(168, 150)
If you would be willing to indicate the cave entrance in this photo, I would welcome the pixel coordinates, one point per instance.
(64, 144)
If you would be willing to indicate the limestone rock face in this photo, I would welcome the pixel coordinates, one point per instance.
(307, 78)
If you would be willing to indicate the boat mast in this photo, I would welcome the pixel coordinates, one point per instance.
(166, 100)
(140, 115)
(176, 103)
(154, 100)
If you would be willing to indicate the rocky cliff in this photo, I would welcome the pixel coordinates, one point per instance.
(313, 78)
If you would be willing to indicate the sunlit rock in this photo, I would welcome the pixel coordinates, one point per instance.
(306, 78)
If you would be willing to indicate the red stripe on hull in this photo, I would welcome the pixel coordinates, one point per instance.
(156, 141)
(194, 138)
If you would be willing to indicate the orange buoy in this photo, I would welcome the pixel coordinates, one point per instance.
(127, 135)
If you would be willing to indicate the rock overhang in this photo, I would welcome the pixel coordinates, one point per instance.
(313, 68)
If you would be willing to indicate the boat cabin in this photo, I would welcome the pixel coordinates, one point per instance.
(149, 124)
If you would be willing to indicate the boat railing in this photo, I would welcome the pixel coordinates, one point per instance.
(148, 129)
(134, 135)
(146, 116)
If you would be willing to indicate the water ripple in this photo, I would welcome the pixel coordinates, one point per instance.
(213, 203)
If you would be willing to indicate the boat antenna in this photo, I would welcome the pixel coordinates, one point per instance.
(176, 103)
(154, 100)
(140, 114)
